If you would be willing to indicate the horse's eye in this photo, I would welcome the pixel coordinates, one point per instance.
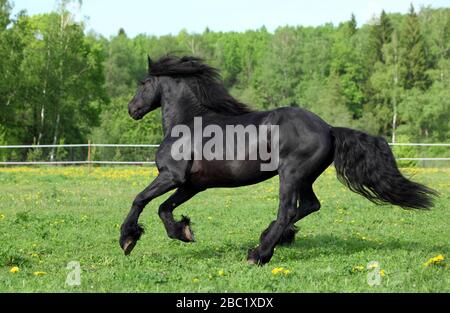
(142, 82)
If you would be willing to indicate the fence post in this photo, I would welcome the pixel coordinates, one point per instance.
(89, 156)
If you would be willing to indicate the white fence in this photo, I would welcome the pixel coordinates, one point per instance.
(89, 146)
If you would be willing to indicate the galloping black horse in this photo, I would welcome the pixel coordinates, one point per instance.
(186, 88)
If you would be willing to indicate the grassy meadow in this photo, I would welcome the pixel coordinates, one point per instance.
(51, 216)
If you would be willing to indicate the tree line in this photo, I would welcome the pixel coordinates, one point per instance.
(61, 84)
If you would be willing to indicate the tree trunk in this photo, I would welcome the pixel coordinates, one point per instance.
(394, 94)
(394, 119)
(55, 137)
(44, 92)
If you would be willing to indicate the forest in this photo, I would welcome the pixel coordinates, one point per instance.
(63, 84)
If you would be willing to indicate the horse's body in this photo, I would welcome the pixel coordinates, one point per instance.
(203, 174)
(186, 88)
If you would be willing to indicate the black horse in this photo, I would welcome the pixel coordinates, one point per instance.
(186, 87)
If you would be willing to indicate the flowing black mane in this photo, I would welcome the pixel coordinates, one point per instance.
(204, 81)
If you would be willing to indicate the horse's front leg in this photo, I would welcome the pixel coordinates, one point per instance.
(131, 231)
(177, 230)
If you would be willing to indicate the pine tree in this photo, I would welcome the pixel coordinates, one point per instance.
(121, 32)
(414, 58)
(380, 34)
(352, 25)
(386, 28)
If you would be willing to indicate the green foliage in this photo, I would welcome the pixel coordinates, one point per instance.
(414, 58)
(34, 155)
(53, 84)
(347, 63)
(61, 153)
(388, 77)
(380, 35)
(5, 11)
(3, 142)
(427, 113)
(329, 103)
(405, 151)
(281, 70)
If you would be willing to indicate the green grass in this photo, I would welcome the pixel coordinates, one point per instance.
(51, 216)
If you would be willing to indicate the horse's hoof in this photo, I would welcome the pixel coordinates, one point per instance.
(253, 257)
(188, 234)
(128, 246)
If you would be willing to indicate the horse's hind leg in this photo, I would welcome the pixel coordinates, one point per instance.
(177, 230)
(287, 211)
(308, 204)
(308, 172)
(131, 231)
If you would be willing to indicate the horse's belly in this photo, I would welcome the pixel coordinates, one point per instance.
(223, 173)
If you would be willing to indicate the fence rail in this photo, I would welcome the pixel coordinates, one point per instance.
(76, 162)
(93, 145)
(421, 144)
(81, 145)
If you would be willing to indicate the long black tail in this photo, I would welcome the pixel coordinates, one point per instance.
(367, 166)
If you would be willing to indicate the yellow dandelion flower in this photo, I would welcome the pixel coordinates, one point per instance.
(39, 273)
(277, 270)
(34, 255)
(280, 270)
(382, 273)
(195, 280)
(14, 269)
(221, 273)
(437, 260)
(357, 268)
(2, 216)
(373, 265)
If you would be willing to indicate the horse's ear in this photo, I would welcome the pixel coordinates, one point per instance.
(150, 63)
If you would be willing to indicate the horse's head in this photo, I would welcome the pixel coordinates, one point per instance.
(147, 98)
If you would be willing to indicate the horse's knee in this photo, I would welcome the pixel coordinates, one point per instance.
(139, 202)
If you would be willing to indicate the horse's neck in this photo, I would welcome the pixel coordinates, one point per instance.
(178, 110)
